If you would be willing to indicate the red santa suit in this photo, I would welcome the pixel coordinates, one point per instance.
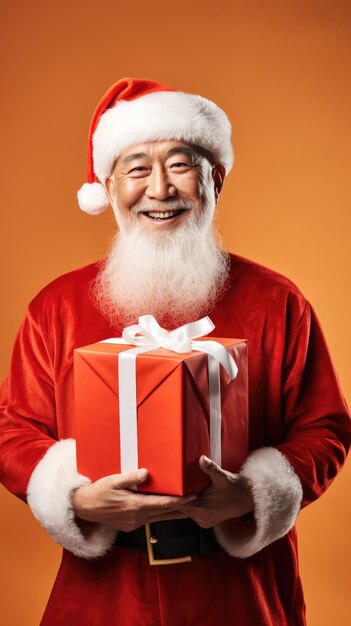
(299, 435)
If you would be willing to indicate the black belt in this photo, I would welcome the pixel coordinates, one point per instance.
(170, 539)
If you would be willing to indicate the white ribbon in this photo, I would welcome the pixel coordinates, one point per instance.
(148, 335)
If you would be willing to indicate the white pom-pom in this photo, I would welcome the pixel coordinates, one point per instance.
(92, 198)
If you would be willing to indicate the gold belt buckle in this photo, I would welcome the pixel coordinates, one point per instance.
(152, 560)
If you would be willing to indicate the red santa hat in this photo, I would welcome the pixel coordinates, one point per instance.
(134, 111)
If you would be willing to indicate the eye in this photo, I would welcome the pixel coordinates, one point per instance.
(179, 165)
(139, 171)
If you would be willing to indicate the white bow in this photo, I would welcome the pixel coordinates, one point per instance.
(150, 334)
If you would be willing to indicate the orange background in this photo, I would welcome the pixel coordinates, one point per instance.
(281, 71)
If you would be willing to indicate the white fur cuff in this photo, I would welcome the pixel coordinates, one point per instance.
(277, 495)
(49, 496)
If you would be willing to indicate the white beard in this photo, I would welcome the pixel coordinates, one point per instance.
(176, 275)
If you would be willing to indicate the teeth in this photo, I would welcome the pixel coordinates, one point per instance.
(162, 215)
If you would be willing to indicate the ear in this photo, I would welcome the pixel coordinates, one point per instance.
(218, 175)
(110, 188)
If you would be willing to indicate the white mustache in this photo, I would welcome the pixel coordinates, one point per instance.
(172, 205)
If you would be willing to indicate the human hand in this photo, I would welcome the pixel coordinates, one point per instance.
(111, 501)
(229, 496)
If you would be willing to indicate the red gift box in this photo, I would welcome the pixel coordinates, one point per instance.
(173, 414)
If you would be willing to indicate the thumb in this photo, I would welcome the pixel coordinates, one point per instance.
(130, 479)
(213, 470)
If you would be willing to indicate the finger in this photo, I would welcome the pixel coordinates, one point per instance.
(164, 517)
(217, 475)
(130, 479)
(165, 503)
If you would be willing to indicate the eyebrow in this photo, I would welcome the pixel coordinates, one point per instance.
(183, 150)
(132, 157)
(178, 150)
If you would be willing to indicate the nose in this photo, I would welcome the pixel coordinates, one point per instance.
(159, 186)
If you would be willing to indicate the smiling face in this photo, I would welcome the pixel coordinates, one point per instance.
(159, 184)
(166, 259)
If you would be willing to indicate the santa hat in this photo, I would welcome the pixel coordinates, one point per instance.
(134, 111)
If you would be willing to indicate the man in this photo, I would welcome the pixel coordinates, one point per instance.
(159, 157)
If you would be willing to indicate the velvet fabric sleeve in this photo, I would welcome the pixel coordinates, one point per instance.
(28, 421)
(316, 432)
(316, 419)
(35, 463)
